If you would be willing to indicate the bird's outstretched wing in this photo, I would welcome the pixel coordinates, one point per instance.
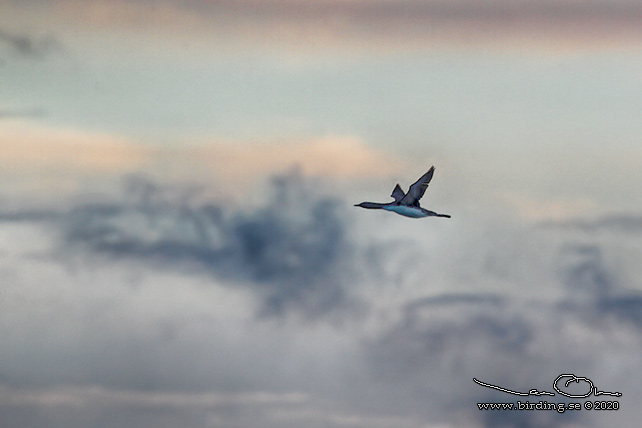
(418, 189)
(398, 194)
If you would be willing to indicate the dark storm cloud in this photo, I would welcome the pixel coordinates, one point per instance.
(28, 46)
(293, 251)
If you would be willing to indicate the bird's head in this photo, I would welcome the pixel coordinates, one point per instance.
(368, 205)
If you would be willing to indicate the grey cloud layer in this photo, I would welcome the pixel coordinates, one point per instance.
(29, 46)
(139, 314)
(294, 251)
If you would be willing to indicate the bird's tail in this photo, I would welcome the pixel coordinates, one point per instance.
(443, 215)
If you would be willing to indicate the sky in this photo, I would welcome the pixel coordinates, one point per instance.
(179, 243)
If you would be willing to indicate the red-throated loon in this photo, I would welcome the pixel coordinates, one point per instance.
(407, 204)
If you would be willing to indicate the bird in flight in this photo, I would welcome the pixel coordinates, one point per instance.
(407, 204)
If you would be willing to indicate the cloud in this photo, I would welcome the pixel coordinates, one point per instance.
(412, 24)
(294, 251)
(27, 146)
(39, 158)
(437, 348)
(381, 26)
(340, 157)
(214, 409)
(532, 208)
(140, 309)
(582, 318)
(70, 404)
(30, 47)
(76, 396)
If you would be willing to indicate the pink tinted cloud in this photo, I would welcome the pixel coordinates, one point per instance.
(246, 163)
(363, 24)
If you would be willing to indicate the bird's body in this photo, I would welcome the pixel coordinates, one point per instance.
(414, 212)
(407, 204)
